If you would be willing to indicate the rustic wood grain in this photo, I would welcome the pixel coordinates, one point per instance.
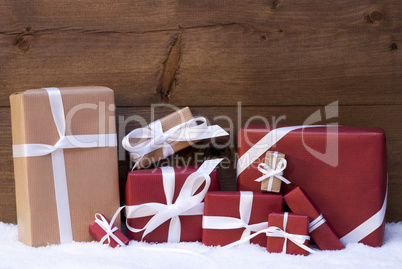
(277, 50)
(378, 116)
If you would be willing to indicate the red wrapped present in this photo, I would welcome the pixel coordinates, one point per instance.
(342, 169)
(293, 232)
(320, 229)
(166, 204)
(103, 230)
(231, 216)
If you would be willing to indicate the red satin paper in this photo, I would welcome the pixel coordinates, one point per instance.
(347, 193)
(98, 233)
(296, 224)
(226, 204)
(323, 236)
(145, 186)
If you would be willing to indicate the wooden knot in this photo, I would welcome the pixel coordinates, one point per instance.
(375, 16)
(21, 41)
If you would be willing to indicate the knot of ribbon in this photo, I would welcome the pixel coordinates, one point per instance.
(108, 228)
(245, 207)
(275, 171)
(58, 164)
(187, 202)
(192, 130)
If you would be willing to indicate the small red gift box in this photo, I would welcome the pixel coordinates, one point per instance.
(338, 167)
(320, 229)
(100, 229)
(293, 224)
(166, 204)
(230, 216)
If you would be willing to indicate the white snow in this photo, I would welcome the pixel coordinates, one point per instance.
(14, 254)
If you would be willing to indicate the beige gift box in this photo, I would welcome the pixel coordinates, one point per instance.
(276, 182)
(167, 122)
(167, 136)
(78, 175)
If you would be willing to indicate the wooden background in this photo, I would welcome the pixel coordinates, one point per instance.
(277, 57)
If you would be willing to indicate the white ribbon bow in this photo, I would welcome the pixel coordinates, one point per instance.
(187, 202)
(190, 130)
(58, 164)
(278, 232)
(108, 228)
(276, 171)
(227, 223)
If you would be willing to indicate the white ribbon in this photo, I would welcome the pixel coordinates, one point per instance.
(269, 140)
(187, 202)
(58, 164)
(108, 228)
(367, 227)
(192, 130)
(264, 144)
(275, 171)
(227, 223)
(320, 220)
(277, 232)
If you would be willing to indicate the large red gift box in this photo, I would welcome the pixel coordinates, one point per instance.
(230, 216)
(295, 225)
(153, 194)
(342, 169)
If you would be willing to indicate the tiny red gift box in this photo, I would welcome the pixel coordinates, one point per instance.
(98, 233)
(147, 186)
(342, 169)
(229, 204)
(296, 224)
(323, 235)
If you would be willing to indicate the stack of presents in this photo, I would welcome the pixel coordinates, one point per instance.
(295, 184)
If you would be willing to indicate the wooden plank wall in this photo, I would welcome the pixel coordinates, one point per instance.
(276, 57)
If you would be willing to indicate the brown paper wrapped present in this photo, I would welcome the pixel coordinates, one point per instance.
(166, 136)
(272, 170)
(65, 165)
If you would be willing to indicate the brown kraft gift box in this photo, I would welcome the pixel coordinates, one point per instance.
(167, 122)
(90, 176)
(276, 182)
